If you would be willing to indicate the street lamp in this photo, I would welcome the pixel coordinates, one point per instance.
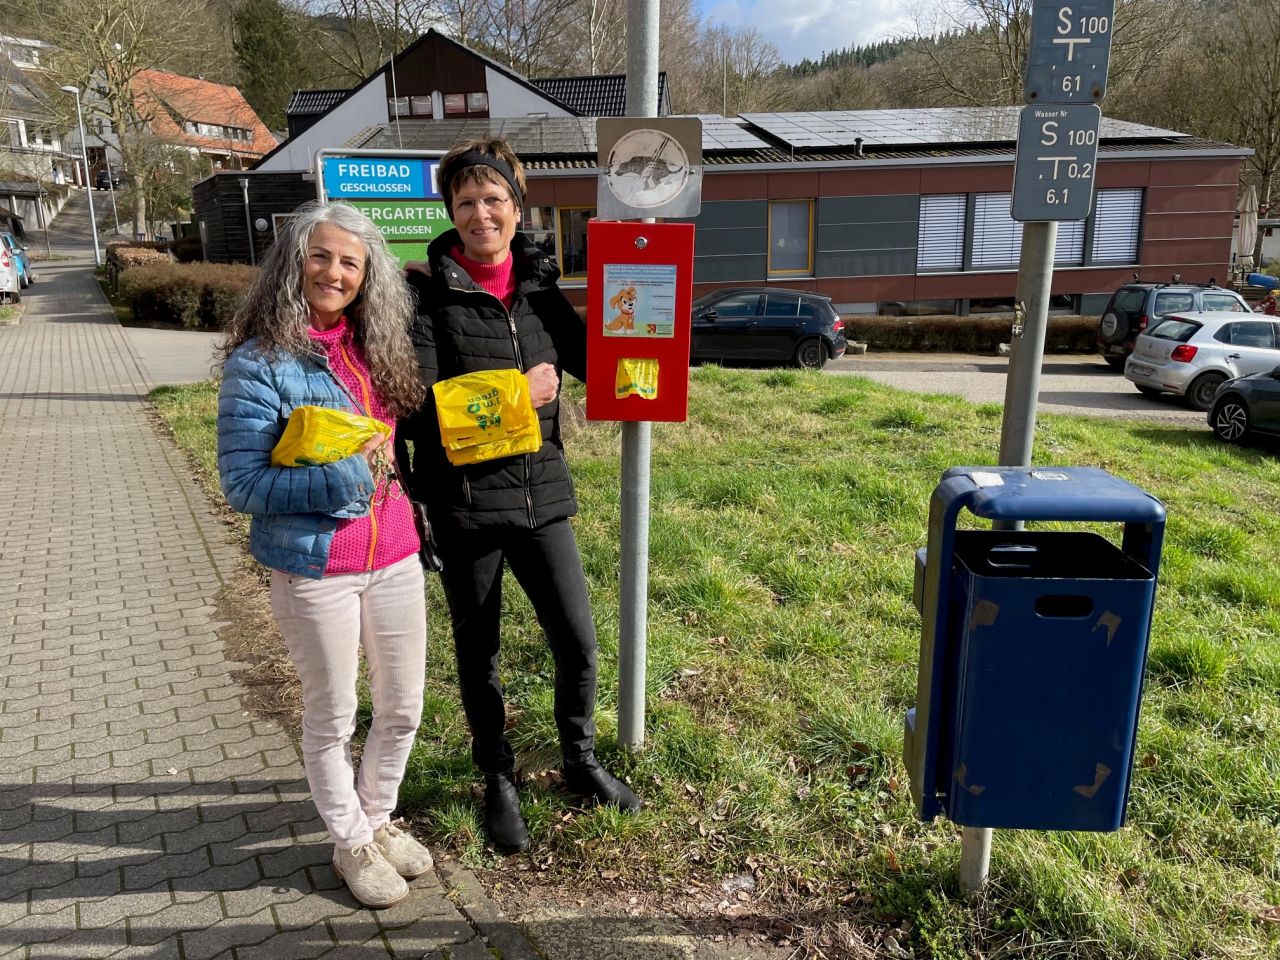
(88, 187)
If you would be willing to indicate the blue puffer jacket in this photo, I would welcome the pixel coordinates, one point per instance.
(294, 510)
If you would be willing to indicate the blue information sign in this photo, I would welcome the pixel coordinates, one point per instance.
(380, 177)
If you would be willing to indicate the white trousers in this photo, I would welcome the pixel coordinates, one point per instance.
(324, 624)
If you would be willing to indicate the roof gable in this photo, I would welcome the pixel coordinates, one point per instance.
(169, 101)
(603, 95)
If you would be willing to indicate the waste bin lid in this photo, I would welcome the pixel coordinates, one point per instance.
(1057, 493)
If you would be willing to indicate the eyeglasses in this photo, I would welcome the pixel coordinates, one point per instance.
(491, 203)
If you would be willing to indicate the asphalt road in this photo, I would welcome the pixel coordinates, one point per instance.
(1069, 383)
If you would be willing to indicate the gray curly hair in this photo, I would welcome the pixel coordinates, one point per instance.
(276, 313)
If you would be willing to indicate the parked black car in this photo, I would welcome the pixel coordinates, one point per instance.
(1246, 406)
(1138, 305)
(767, 323)
(105, 180)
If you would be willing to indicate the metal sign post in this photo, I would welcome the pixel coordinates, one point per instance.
(633, 566)
(1053, 175)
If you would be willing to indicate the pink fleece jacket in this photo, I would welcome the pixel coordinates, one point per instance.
(387, 534)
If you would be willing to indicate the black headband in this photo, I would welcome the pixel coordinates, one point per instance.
(475, 158)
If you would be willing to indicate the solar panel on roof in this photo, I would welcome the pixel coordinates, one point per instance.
(844, 128)
(722, 133)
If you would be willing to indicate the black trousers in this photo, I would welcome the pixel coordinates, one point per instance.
(546, 564)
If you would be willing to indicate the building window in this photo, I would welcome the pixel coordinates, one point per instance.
(573, 241)
(997, 237)
(539, 225)
(477, 102)
(940, 240)
(790, 237)
(455, 104)
(1117, 222)
(1068, 250)
(420, 106)
(397, 107)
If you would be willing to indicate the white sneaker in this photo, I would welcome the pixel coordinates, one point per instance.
(409, 857)
(368, 876)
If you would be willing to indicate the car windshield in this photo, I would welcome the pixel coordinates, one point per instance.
(1175, 328)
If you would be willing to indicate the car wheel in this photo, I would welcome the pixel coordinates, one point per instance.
(1230, 420)
(1200, 393)
(811, 354)
(1115, 363)
(23, 282)
(1149, 391)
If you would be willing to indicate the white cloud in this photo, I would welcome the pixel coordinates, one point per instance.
(808, 28)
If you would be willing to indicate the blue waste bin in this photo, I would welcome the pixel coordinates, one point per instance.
(1033, 649)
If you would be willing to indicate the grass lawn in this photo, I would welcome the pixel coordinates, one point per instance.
(782, 658)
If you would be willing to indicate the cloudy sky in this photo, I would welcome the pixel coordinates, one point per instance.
(806, 28)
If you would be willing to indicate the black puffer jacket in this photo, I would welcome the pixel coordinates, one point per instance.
(461, 328)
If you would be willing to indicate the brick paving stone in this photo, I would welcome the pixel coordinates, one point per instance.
(82, 945)
(219, 937)
(159, 926)
(112, 673)
(294, 945)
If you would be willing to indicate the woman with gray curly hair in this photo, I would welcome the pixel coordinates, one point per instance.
(326, 325)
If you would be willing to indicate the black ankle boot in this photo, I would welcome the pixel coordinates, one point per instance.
(502, 818)
(590, 781)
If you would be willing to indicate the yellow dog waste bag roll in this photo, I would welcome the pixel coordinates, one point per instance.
(317, 435)
(486, 415)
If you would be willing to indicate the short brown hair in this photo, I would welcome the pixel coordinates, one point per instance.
(496, 148)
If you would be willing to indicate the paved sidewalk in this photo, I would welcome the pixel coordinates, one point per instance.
(143, 812)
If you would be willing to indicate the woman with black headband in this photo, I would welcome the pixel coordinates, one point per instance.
(491, 303)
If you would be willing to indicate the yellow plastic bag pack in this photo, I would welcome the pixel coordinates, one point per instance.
(486, 415)
(316, 435)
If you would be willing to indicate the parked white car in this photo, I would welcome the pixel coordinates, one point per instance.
(10, 282)
(1192, 354)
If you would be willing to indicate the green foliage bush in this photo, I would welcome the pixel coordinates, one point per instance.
(196, 295)
(974, 334)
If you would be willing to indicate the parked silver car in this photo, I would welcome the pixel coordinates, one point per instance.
(1192, 354)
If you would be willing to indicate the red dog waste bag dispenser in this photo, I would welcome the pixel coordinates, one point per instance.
(639, 299)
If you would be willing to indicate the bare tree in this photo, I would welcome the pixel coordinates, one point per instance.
(596, 36)
(102, 47)
(531, 36)
(739, 72)
(356, 37)
(974, 52)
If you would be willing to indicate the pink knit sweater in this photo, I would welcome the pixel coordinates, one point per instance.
(387, 534)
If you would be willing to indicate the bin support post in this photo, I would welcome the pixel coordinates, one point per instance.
(1026, 348)
(1017, 435)
(975, 860)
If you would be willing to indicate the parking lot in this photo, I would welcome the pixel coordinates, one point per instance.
(1070, 383)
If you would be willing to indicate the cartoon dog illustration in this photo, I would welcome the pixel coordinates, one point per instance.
(624, 301)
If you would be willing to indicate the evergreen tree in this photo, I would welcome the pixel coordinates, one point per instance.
(269, 52)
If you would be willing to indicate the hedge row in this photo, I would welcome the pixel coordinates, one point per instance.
(196, 295)
(973, 334)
